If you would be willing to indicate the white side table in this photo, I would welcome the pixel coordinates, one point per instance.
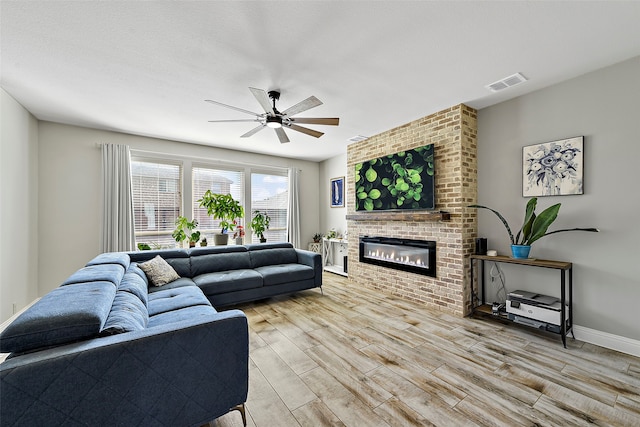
(315, 247)
(331, 247)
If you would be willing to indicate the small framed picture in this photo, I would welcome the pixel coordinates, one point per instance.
(553, 168)
(337, 192)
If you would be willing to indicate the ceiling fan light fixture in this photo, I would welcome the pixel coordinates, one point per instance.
(274, 122)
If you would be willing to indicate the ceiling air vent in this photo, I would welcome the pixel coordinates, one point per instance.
(507, 82)
(357, 138)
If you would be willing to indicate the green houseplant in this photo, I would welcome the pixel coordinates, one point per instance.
(533, 228)
(259, 224)
(184, 230)
(225, 208)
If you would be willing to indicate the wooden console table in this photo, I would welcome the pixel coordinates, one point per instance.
(478, 302)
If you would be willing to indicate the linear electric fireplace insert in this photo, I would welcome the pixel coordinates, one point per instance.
(416, 256)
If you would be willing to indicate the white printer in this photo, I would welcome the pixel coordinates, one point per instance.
(540, 308)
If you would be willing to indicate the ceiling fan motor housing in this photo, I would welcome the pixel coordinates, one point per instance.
(274, 121)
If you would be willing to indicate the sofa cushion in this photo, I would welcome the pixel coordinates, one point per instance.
(213, 263)
(158, 271)
(66, 314)
(175, 299)
(133, 268)
(127, 314)
(121, 258)
(97, 273)
(285, 273)
(189, 313)
(183, 281)
(273, 256)
(228, 281)
(135, 285)
(176, 258)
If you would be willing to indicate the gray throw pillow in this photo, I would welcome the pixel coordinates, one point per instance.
(158, 271)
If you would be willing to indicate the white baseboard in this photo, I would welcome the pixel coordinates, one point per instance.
(607, 340)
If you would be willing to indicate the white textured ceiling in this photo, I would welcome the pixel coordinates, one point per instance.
(145, 68)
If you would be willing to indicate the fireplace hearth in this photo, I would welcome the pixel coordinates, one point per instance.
(416, 256)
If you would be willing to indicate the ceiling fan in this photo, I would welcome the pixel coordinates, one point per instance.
(277, 120)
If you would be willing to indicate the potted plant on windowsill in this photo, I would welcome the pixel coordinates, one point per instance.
(259, 224)
(184, 230)
(533, 228)
(225, 208)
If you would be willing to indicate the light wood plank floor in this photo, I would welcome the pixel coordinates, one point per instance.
(355, 357)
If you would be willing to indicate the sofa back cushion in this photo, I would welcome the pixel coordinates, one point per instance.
(282, 253)
(213, 263)
(97, 273)
(121, 258)
(127, 314)
(134, 284)
(176, 258)
(66, 314)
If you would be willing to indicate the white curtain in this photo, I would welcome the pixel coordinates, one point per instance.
(117, 222)
(293, 216)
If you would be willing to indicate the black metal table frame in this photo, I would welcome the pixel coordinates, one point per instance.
(564, 267)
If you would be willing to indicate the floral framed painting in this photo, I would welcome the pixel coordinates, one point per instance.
(553, 168)
(337, 192)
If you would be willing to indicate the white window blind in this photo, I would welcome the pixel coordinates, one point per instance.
(220, 181)
(156, 201)
(270, 194)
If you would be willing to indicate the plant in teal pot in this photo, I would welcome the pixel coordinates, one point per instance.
(533, 228)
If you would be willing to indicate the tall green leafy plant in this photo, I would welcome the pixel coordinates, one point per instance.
(223, 207)
(534, 226)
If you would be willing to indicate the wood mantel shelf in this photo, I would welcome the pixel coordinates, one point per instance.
(400, 216)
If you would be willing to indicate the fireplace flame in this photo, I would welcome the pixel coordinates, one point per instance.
(377, 254)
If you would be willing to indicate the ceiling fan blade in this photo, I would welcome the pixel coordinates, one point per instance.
(307, 131)
(253, 131)
(231, 121)
(282, 136)
(305, 105)
(233, 108)
(316, 121)
(263, 99)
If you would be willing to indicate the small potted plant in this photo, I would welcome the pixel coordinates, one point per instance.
(317, 237)
(238, 235)
(203, 242)
(184, 230)
(260, 224)
(225, 208)
(534, 227)
(193, 238)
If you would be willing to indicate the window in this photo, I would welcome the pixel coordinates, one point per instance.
(221, 181)
(270, 194)
(156, 201)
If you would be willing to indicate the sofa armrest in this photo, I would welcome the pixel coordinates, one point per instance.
(313, 260)
(183, 373)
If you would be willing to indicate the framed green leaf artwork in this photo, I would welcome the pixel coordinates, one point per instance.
(399, 181)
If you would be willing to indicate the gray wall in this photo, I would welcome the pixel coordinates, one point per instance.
(70, 191)
(334, 167)
(602, 106)
(18, 207)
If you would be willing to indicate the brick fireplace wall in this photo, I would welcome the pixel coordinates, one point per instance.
(453, 132)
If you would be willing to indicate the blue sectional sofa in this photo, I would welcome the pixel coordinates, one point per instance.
(109, 348)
